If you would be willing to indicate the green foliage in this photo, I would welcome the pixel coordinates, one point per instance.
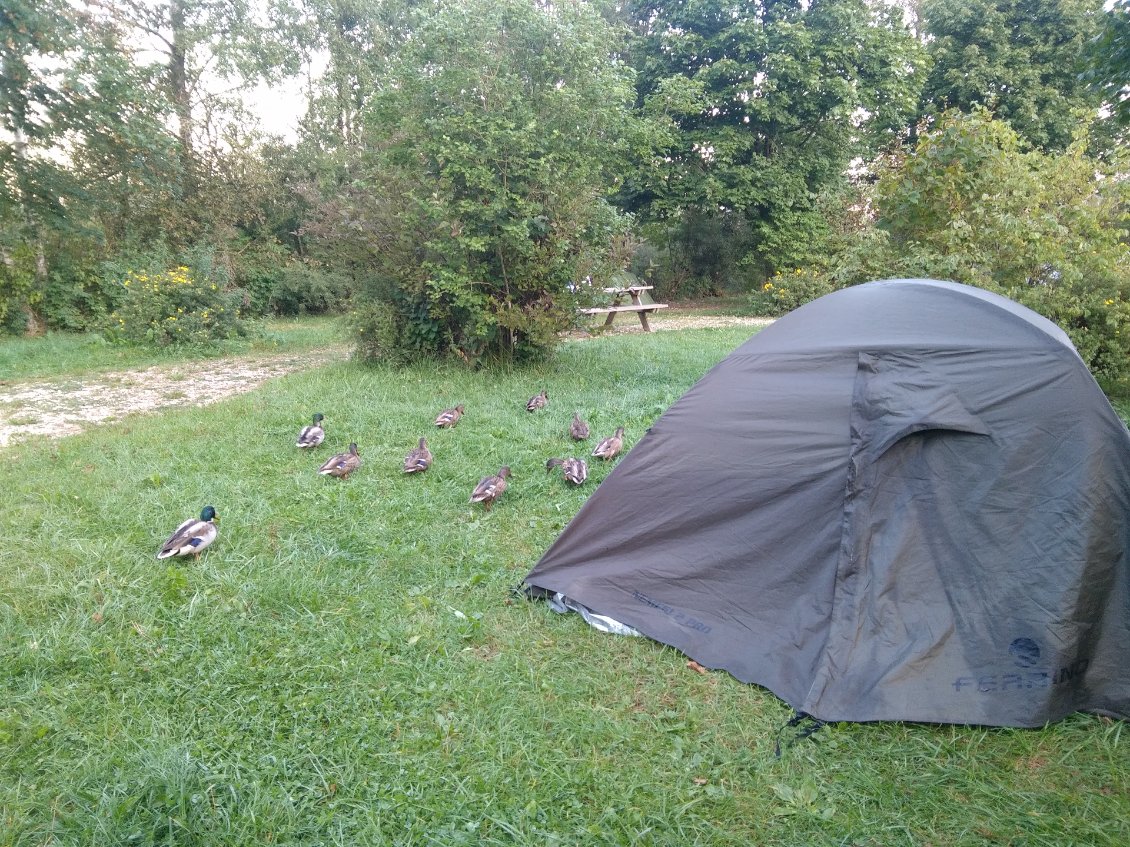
(786, 291)
(482, 197)
(142, 153)
(304, 289)
(1108, 61)
(178, 306)
(701, 255)
(1019, 59)
(74, 298)
(18, 290)
(1047, 230)
(759, 111)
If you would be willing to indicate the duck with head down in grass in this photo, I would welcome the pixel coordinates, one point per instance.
(575, 471)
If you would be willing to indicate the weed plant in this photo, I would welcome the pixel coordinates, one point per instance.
(347, 664)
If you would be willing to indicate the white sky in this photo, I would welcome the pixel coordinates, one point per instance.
(278, 107)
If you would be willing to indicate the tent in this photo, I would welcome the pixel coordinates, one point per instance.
(906, 500)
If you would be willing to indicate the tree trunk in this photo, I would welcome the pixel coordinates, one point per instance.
(181, 96)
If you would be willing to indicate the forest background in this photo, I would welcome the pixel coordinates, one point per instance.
(465, 173)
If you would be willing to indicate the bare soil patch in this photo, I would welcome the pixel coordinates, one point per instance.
(628, 323)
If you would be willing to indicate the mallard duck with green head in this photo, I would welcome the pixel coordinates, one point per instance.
(313, 434)
(192, 536)
(343, 464)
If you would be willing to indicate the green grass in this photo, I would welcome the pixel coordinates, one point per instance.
(347, 664)
(73, 354)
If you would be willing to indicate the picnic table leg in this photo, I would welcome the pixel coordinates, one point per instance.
(608, 320)
(643, 315)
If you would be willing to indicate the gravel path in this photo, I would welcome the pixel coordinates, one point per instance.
(68, 406)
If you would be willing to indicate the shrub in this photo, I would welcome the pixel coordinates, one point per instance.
(1048, 230)
(378, 333)
(176, 306)
(966, 204)
(257, 268)
(786, 291)
(1097, 323)
(301, 289)
(17, 287)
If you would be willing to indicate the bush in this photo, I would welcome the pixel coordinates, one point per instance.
(257, 268)
(699, 256)
(378, 333)
(966, 204)
(176, 306)
(301, 289)
(786, 291)
(17, 287)
(1098, 325)
(469, 217)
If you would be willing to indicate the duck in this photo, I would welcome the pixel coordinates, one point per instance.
(578, 429)
(575, 471)
(611, 445)
(343, 464)
(312, 435)
(419, 459)
(192, 536)
(449, 417)
(490, 488)
(538, 401)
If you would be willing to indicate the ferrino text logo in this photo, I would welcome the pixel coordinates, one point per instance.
(1025, 655)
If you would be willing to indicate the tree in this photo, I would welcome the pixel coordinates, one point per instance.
(57, 91)
(481, 198)
(1108, 61)
(765, 105)
(117, 152)
(1018, 58)
(355, 38)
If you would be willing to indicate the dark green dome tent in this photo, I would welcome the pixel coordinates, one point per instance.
(907, 500)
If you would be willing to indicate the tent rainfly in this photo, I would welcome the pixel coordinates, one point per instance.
(907, 500)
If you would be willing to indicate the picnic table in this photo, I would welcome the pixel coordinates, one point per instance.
(629, 293)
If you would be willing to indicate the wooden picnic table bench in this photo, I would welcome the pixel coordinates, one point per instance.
(618, 305)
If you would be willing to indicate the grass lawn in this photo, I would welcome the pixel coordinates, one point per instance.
(347, 663)
(70, 354)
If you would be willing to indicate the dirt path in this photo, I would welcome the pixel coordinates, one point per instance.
(630, 323)
(68, 406)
